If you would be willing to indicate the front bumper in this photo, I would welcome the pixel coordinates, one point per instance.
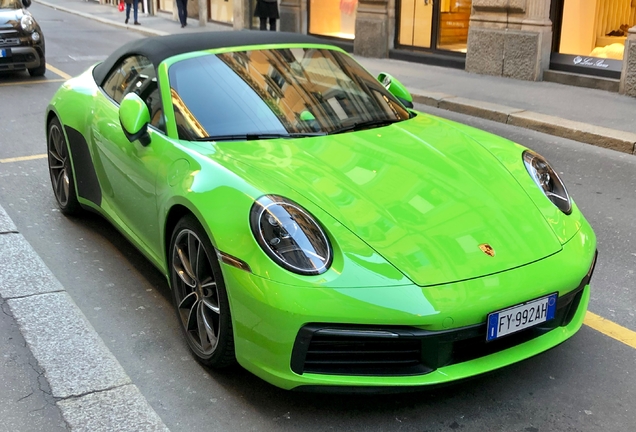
(274, 322)
(20, 58)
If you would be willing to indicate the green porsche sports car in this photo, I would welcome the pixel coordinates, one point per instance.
(312, 226)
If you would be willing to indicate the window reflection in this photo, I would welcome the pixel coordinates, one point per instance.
(282, 91)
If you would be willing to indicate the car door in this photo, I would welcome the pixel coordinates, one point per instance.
(128, 170)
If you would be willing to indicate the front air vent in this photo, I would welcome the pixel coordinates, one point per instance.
(335, 353)
(342, 351)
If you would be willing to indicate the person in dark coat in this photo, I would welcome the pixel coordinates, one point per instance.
(267, 10)
(182, 7)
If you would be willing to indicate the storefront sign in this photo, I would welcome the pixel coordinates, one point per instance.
(588, 65)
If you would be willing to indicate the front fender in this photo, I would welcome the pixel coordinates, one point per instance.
(221, 198)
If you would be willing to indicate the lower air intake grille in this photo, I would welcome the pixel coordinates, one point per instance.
(331, 351)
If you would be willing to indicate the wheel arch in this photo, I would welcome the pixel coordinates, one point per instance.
(174, 215)
(50, 115)
(176, 212)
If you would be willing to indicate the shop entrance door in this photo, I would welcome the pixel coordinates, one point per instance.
(434, 24)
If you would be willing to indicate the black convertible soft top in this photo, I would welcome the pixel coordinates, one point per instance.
(159, 48)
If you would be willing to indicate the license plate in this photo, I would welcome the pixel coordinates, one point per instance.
(3, 53)
(516, 318)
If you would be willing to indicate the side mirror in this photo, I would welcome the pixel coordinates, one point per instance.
(26, 3)
(134, 118)
(397, 89)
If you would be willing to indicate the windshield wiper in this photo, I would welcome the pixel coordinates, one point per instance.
(364, 125)
(259, 136)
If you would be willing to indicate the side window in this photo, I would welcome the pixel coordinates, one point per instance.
(149, 92)
(137, 74)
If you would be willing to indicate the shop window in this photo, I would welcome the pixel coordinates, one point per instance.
(596, 28)
(438, 24)
(416, 23)
(453, 24)
(334, 18)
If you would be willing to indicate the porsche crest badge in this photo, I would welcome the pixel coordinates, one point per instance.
(487, 249)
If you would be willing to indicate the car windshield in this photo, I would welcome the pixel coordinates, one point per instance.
(277, 93)
(10, 4)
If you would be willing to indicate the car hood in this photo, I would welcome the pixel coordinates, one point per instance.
(425, 196)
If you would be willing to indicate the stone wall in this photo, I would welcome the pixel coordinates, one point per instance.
(510, 38)
(628, 75)
(372, 29)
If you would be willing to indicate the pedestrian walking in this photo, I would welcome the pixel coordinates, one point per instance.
(267, 10)
(182, 7)
(135, 6)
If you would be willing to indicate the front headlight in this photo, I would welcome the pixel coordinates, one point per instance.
(27, 23)
(548, 180)
(290, 235)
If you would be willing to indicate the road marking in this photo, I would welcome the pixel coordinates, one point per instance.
(32, 82)
(23, 158)
(93, 58)
(53, 69)
(59, 72)
(608, 328)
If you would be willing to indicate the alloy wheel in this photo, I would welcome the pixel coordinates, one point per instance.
(196, 292)
(58, 165)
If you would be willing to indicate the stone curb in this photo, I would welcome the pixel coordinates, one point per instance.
(94, 391)
(583, 132)
(596, 135)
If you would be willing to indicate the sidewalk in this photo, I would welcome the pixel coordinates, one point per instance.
(592, 116)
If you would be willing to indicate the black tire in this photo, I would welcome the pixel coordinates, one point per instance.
(199, 295)
(60, 169)
(40, 70)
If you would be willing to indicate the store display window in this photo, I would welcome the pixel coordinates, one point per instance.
(596, 28)
(453, 25)
(439, 24)
(334, 18)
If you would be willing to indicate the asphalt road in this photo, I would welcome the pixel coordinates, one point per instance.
(586, 384)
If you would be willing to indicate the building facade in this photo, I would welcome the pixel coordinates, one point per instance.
(582, 42)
